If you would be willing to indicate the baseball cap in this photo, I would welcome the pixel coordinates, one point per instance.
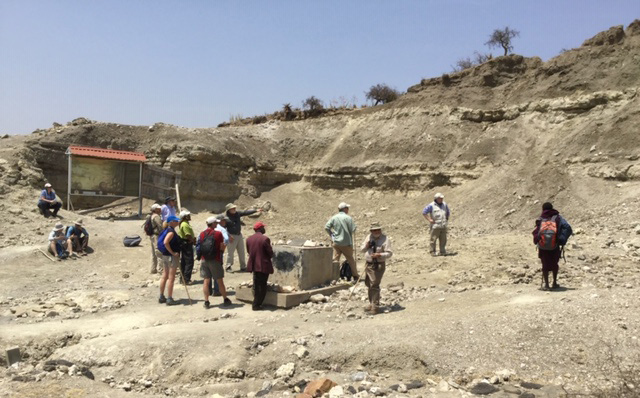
(438, 196)
(184, 213)
(222, 217)
(168, 198)
(47, 185)
(173, 218)
(155, 206)
(343, 205)
(258, 225)
(212, 220)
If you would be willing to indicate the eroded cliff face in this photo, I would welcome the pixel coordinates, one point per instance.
(456, 135)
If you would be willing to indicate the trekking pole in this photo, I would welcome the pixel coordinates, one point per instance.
(184, 283)
(353, 288)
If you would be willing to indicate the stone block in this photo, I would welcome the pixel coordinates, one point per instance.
(287, 300)
(12, 355)
(303, 267)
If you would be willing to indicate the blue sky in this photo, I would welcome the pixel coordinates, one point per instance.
(196, 63)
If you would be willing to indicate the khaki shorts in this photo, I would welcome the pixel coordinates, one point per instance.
(170, 261)
(211, 269)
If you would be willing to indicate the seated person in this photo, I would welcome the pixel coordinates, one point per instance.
(58, 242)
(48, 201)
(79, 238)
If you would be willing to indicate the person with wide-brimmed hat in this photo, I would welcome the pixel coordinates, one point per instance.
(341, 229)
(260, 255)
(168, 209)
(377, 249)
(58, 242)
(48, 201)
(234, 227)
(79, 238)
(187, 240)
(437, 214)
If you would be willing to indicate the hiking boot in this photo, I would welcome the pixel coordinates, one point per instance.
(545, 288)
(171, 301)
(367, 308)
(226, 302)
(373, 310)
(433, 254)
(228, 269)
(555, 286)
(162, 299)
(258, 308)
(207, 304)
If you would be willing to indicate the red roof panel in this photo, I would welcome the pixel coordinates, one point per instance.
(106, 153)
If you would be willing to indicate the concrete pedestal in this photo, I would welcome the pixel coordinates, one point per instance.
(303, 268)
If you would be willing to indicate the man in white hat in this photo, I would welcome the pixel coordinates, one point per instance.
(58, 242)
(187, 240)
(155, 221)
(437, 214)
(79, 238)
(341, 228)
(48, 201)
(209, 248)
(234, 228)
(377, 249)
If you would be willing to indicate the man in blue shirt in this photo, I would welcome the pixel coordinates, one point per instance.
(48, 201)
(79, 238)
(168, 210)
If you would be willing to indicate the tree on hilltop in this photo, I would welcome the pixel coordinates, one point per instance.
(502, 38)
(381, 93)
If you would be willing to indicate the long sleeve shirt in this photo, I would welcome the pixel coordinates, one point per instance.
(383, 246)
(167, 211)
(224, 232)
(234, 225)
(341, 229)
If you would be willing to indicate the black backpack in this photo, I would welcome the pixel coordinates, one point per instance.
(345, 271)
(131, 240)
(208, 247)
(148, 226)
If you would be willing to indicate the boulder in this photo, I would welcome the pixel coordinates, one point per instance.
(286, 370)
(319, 387)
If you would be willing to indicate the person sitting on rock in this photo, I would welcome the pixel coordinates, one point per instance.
(58, 242)
(79, 238)
(551, 233)
(377, 249)
(48, 202)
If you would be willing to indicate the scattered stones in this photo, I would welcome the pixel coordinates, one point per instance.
(483, 388)
(286, 370)
(301, 352)
(359, 376)
(318, 298)
(319, 387)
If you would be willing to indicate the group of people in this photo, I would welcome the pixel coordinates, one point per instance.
(68, 242)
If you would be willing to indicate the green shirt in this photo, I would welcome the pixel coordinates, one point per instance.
(341, 228)
(185, 230)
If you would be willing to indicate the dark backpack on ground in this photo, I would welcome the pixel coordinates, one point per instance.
(148, 226)
(208, 248)
(132, 240)
(345, 271)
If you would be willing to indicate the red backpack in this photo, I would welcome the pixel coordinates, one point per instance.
(548, 233)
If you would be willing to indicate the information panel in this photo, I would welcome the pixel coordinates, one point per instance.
(104, 177)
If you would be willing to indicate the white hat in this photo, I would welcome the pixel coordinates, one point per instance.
(343, 205)
(155, 206)
(58, 227)
(47, 185)
(212, 220)
(438, 196)
(185, 213)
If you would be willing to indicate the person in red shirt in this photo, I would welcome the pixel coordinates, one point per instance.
(260, 255)
(209, 248)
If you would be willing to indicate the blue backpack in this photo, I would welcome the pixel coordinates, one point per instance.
(161, 246)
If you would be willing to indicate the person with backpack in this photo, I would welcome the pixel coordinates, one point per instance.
(169, 247)
(550, 235)
(152, 228)
(79, 238)
(377, 249)
(341, 229)
(437, 214)
(260, 255)
(209, 248)
(187, 240)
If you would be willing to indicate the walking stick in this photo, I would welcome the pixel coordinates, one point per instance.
(353, 289)
(46, 255)
(184, 283)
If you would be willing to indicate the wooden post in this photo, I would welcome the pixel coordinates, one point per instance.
(178, 198)
(140, 192)
(69, 183)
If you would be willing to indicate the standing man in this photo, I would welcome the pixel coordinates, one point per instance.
(377, 249)
(169, 247)
(550, 235)
(168, 210)
(156, 225)
(187, 240)
(234, 227)
(48, 201)
(222, 223)
(260, 254)
(79, 238)
(341, 228)
(209, 248)
(437, 213)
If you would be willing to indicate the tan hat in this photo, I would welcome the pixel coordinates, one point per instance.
(79, 221)
(343, 205)
(375, 226)
(438, 196)
(58, 227)
(230, 206)
(155, 206)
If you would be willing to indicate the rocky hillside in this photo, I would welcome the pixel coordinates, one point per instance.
(510, 132)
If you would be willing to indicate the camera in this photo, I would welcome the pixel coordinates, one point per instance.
(372, 245)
